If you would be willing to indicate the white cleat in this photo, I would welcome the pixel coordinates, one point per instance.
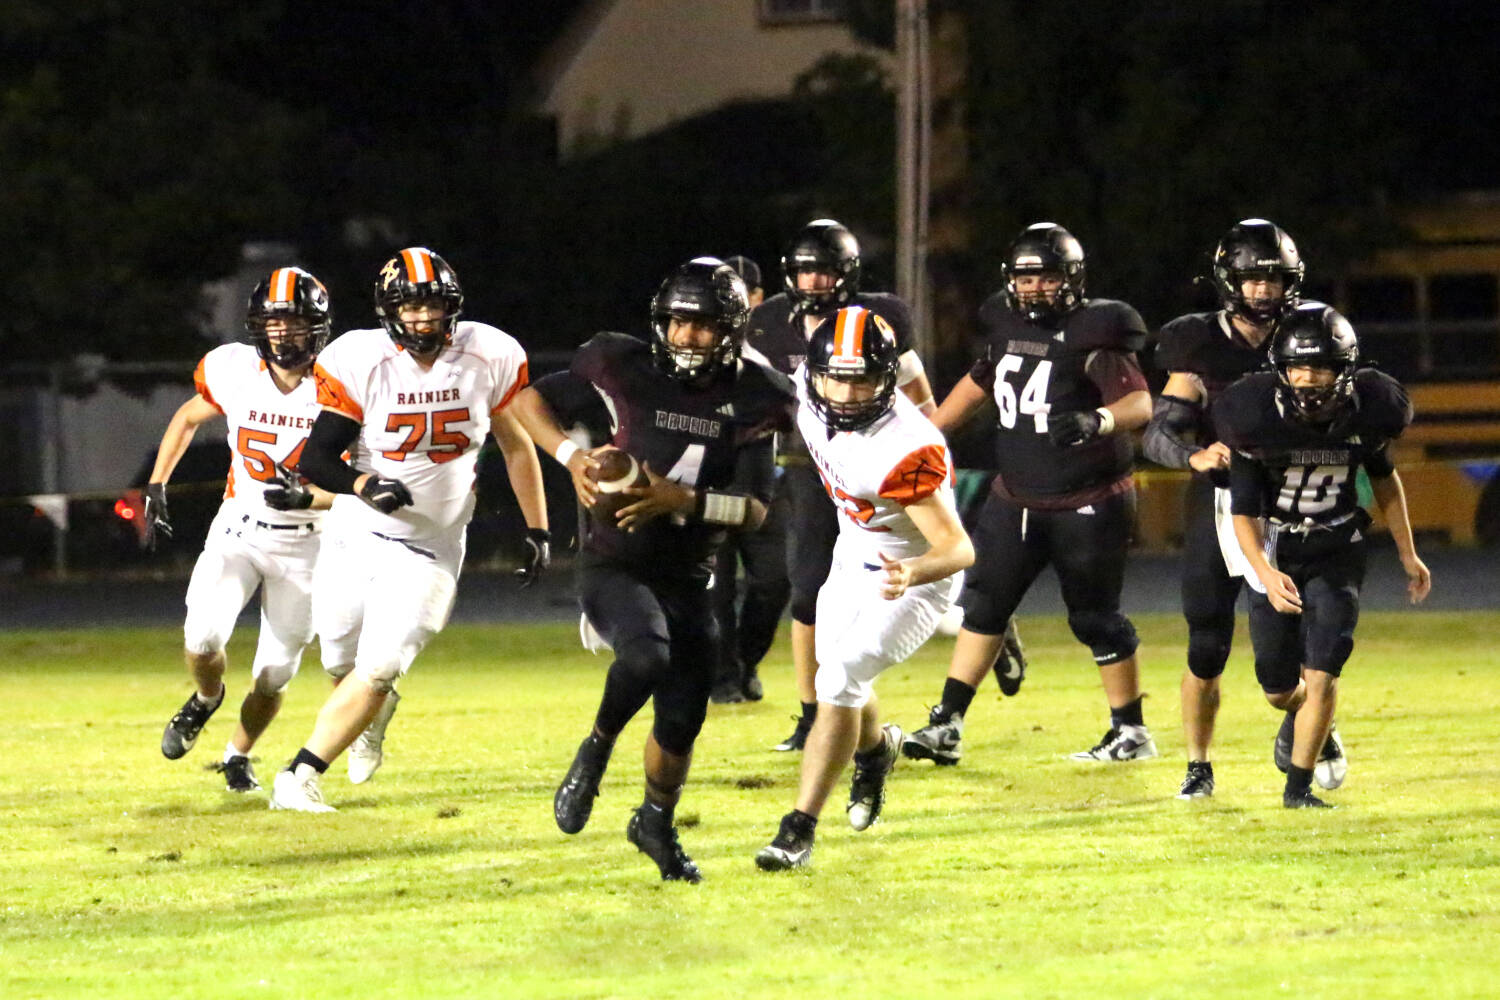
(1332, 766)
(1123, 743)
(300, 794)
(367, 752)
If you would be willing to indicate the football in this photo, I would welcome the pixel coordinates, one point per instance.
(617, 470)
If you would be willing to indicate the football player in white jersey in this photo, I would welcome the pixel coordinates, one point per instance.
(897, 565)
(411, 403)
(266, 533)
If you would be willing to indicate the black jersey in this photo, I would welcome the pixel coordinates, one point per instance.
(1295, 472)
(779, 334)
(1032, 370)
(716, 437)
(1207, 345)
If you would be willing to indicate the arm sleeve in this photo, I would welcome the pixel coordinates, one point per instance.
(1377, 461)
(322, 457)
(1116, 373)
(1169, 435)
(755, 469)
(1245, 478)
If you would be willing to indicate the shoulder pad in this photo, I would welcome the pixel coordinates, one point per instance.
(893, 310)
(1181, 343)
(1241, 411)
(1384, 407)
(1106, 324)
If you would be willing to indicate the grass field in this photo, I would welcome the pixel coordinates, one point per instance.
(1016, 874)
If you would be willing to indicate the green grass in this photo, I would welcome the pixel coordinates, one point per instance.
(1016, 874)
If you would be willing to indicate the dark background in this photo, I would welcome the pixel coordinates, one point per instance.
(143, 143)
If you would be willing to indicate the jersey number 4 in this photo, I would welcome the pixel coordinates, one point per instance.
(1033, 399)
(261, 466)
(444, 446)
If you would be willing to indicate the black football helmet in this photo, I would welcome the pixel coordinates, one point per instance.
(1045, 248)
(852, 345)
(708, 291)
(1314, 335)
(416, 274)
(827, 246)
(1251, 248)
(295, 297)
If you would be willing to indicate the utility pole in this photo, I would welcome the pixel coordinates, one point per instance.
(913, 167)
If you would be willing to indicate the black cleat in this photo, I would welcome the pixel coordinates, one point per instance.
(1303, 799)
(1281, 748)
(239, 776)
(1010, 669)
(654, 835)
(940, 741)
(727, 692)
(574, 800)
(752, 688)
(182, 732)
(867, 788)
(1199, 783)
(792, 846)
(798, 739)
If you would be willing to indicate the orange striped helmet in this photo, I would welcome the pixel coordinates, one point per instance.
(857, 348)
(416, 274)
(300, 302)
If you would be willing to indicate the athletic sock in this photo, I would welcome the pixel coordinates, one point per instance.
(957, 696)
(1128, 714)
(231, 751)
(210, 702)
(809, 711)
(306, 756)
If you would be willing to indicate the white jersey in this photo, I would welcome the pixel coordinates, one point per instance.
(423, 427)
(266, 426)
(874, 473)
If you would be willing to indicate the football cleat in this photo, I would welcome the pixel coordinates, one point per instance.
(1281, 747)
(1199, 783)
(798, 739)
(867, 789)
(753, 689)
(654, 836)
(1332, 766)
(367, 752)
(791, 847)
(182, 732)
(574, 800)
(1303, 799)
(1010, 671)
(239, 776)
(1120, 743)
(727, 692)
(940, 741)
(299, 793)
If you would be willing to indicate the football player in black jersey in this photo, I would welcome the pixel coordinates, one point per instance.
(1062, 371)
(702, 422)
(749, 615)
(821, 271)
(1257, 274)
(1298, 437)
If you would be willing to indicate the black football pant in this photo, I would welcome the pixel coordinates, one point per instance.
(810, 536)
(747, 628)
(1328, 567)
(1012, 544)
(665, 641)
(1208, 591)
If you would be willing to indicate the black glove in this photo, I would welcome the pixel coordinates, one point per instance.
(385, 495)
(1067, 429)
(289, 493)
(156, 515)
(538, 555)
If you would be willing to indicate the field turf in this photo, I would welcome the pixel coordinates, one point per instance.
(1017, 873)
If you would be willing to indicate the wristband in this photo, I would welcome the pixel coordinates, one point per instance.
(566, 450)
(721, 508)
(1106, 421)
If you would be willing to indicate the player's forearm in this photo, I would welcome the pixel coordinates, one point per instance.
(942, 561)
(534, 414)
(174, 444)
(1252, 539)
(959, 405)
(322, 459)
(1390, 496)
(919, 391)
(735, 511)
(1170, 432)
(1131, 411)
(525, 473)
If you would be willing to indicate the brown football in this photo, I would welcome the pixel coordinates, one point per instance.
(617, 470)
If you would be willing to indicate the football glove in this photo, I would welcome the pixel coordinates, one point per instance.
(155, 515)
(538, 555)
(1067, 429)
(288, 491)
(385, 495)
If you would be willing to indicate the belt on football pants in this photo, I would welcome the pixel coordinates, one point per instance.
(1308, 525)
(307, 526)
(428, 553)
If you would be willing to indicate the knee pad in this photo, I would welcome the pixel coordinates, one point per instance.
(676, 731)
(1109, 635)
(272, 679)
(1330, 654)
(381, 670)
(644, 659)
(804, 606)
(980, 614)
(201, 634)
(1208, 651)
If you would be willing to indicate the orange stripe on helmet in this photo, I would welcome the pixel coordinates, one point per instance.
(419, 269)
(849, 337)
(283, 283)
